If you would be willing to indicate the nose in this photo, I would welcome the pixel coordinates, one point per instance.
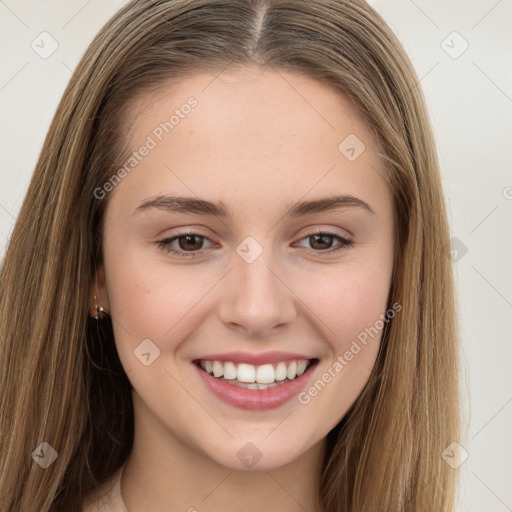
(256, 298)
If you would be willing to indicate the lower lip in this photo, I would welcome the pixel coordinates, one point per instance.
(255, 399)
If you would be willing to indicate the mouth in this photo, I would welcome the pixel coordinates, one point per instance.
(255, 387)
(249, 376)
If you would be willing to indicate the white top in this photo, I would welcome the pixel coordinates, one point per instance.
(107, 498)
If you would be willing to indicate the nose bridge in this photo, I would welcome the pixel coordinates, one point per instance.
(257, 299)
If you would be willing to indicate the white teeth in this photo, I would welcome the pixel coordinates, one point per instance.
(301, 367)
(245, 373)
(256, 377)
(229, 371)
(291, 373)
(265, 374)
(281, 371)
(218, 369)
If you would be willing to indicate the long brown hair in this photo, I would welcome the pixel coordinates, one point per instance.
(57, 386)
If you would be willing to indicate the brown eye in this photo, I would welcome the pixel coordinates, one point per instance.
(190, 242)
(186, 244)
(322, 242)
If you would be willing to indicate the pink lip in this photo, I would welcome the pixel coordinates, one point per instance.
(255, 359)
(254, 399)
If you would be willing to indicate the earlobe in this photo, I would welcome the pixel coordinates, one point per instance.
(98, 301)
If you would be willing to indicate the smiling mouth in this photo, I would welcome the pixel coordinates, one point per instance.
(251, 376)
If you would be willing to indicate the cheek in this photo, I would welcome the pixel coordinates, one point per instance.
(151, 300)
(347, 298)
(351, 302)
(155, 297)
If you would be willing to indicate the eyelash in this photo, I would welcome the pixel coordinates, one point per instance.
(165, 245)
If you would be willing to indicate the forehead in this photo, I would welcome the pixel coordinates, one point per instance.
(256, 130)
(259, 100)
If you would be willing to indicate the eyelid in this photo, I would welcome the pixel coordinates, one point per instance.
(325, 229)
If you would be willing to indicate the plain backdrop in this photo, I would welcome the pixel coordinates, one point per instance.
(461, 51)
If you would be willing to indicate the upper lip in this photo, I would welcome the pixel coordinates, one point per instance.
(254, 359)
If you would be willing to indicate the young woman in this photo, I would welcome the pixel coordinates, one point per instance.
(227, 287)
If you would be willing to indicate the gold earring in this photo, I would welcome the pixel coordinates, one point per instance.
(97, 312)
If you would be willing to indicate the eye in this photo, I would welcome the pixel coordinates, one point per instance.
(322, 241)
(188, 244)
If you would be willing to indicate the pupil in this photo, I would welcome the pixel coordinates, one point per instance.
(325, 240)
(189, 241)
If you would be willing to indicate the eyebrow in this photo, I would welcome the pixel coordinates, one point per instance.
(173, 204)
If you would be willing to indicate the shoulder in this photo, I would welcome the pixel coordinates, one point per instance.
(107, 497)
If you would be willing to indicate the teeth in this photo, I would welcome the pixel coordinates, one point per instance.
(229, 371)
(245, 373)
(256, 377)
(291, 373)
(281, 371)
(301, 367)
(265, 374)
(218, 369)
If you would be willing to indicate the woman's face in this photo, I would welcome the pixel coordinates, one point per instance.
(278, 253)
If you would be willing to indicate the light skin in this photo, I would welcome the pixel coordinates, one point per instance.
(258, 141)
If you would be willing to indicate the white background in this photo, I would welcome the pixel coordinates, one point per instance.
(470, 103)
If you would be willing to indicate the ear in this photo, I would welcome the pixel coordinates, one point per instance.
(99, 290)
